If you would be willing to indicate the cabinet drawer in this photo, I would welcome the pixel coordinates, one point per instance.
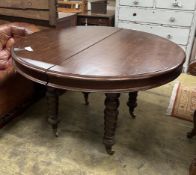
(178, 4)
(177, 35)
(138, 3)
(167, 17)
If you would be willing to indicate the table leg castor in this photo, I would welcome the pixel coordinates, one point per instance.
(110, 120)
(132, 103)
(52, 103)
(193, 132)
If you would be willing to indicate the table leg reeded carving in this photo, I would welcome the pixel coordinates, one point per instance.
(132, 103)
(110, 117)
(193, 132)
(52, 104)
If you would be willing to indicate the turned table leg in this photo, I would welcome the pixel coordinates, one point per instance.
(110, 117)
(86, 95)
(52, 103)
(193, 132)
(132, 103)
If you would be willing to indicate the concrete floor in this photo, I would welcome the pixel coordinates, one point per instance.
(152, 144)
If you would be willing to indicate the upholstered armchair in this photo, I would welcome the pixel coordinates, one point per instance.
(14, 89)
(192, 71)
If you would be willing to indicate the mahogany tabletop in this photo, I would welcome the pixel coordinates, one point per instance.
(92, 58)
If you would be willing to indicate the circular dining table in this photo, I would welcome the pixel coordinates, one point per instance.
(97, 59)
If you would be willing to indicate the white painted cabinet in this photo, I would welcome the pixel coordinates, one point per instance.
(167, 17)
(178, 5)
(177, 35)
(138, 3)
(171, 19)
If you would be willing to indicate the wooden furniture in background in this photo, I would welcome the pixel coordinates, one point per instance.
(98, 59)
(72, 6)
(66, 20)
(171, 19)
(43, 13)
(42, 10)
(68, 10)
(89, 18)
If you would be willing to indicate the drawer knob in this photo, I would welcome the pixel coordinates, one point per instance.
(169, 36)
(177, 4)
(29, 3)
(135, 2)
(172, 19)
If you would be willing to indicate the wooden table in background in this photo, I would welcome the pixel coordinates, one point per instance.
(89, 18)
(66, 20)
(97, 59)
(72, 6)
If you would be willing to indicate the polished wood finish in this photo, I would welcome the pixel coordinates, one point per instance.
(98, 59)
(89, 18)
(128, 60)
(66, 42)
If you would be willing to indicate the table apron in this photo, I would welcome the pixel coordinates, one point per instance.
(130, 85)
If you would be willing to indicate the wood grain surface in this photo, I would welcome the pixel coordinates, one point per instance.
(41, 11)
(24, 4)
(100, 59)
(33, 14)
